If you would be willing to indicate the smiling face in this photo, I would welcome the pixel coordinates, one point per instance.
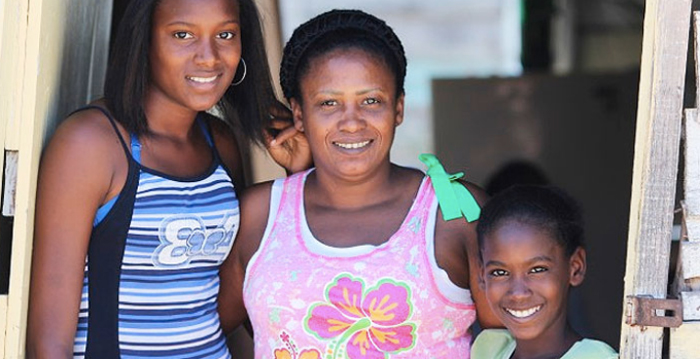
(349, 112)
(195, 49)
(526, 277)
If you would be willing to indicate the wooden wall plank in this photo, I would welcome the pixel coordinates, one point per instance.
(691, 182)
(691, 307)
(58, 66)
(684, 341)
(13, 30)
(662, 75)
(696, 55)
(3, 320)
(690, 257)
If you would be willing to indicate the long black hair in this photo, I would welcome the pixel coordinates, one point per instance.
(246, 106)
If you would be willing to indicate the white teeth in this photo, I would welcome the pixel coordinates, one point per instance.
(352, 145)
(523, 313)
(202, 79)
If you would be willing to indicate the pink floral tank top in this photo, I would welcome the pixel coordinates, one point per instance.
(307, 300)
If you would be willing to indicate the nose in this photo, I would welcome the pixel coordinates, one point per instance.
(519, 289)
(352, 119)
(207, 54)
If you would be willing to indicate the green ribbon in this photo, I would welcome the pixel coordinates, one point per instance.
(454, 199)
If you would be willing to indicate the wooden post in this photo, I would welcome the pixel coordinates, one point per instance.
(3, 320)
(662, 76)
(63, 57)
(684, 339)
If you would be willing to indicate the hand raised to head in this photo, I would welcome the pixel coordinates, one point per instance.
(287, 145)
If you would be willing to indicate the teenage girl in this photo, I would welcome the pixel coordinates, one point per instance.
(137, 195)
(531, 244)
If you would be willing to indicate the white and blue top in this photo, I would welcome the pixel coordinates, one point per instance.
(152, 270)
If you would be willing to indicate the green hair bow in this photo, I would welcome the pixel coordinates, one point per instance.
(454, 199)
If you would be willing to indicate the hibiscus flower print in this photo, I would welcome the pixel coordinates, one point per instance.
(290, 352)
(371, 323)
(305, 354)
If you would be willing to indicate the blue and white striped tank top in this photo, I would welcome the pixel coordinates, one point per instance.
(152, 270)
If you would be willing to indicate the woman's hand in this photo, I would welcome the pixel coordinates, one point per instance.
(287, 145)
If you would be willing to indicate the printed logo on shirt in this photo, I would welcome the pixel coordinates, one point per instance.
(185, 238)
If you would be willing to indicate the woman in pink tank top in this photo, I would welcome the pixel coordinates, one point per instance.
(352, 259)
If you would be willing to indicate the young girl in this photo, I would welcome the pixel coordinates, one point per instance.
(531, 242)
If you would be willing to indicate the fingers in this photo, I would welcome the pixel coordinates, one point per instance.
(284, 135)
(278, 123)
(268, 138)
(280, 111)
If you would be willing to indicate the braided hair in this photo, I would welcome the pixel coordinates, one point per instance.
(545, 207)
(340, 29)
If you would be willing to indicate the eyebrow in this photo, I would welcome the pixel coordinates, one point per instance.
(361, 92)
(531, 260)
(185, 23)
(494, 263)
(541, 259)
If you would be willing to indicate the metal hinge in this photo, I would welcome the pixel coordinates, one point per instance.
(645, 310)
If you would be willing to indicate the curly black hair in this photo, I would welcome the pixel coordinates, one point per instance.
(545, 207)
(340, 29)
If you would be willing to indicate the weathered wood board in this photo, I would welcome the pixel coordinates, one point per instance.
(60, 64)
(659, 114)
(691, 182)
(684, 343)
(3, 320)
(690, 258)
(691, 308)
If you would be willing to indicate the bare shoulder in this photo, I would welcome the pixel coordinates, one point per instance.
(455, 241)
(89, 124)
(86, 140)
(469, 229)
(476, 191)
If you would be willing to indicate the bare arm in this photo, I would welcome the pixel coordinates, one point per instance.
(486, 317)
(80, 169)
(255, 204)
(457, 252)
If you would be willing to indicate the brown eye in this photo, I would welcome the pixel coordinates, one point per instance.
(538, 270)
(182, 35)
(498, 273)
(227, 35)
